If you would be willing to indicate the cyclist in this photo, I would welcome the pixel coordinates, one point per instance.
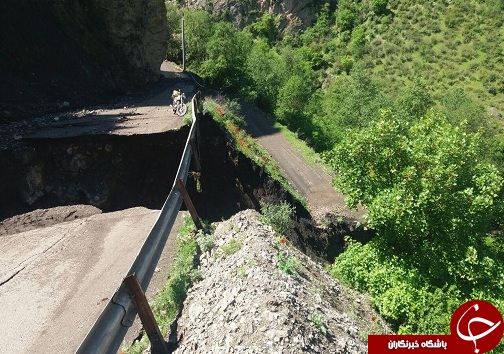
(177, 97)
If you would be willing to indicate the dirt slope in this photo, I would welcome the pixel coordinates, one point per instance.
(260, 295)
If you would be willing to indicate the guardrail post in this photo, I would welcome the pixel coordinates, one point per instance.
(158, 344)
(189, 204)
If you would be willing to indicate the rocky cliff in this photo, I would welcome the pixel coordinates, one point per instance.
(294, 13)
(65, 53)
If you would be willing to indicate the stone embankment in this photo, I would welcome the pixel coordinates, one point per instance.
(260, 295)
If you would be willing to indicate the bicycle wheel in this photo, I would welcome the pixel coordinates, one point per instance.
(182, 109)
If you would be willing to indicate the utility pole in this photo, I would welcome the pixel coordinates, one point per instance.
(183, 47)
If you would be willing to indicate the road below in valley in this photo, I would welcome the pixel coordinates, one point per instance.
(311, 181)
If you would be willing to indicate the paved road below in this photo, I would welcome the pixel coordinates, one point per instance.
(310, 181)
(50, 273)
(58, 279)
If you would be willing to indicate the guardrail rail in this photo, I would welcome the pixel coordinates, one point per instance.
(118, 315)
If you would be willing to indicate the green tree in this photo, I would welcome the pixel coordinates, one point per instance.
(226, 53)
(424, 187)
(267, 74)
(198, 28)
(296, 91)
(414, 101)
(292, 98)
(358, 42)
(173, 49)
(346, 18)
(347, 14)
(347, 63)
(321, 29)
(457, 106)
(349, 102)
(266, 27)
(379, 6)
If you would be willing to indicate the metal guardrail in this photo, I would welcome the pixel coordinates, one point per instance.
(118, 315)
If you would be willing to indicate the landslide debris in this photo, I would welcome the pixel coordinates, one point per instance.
(41, 218)
(267, 297)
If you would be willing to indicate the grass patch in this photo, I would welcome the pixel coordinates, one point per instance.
(232, 247)
(287, 263)
(302, 147)
(318, 320)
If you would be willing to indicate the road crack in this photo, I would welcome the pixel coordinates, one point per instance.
(31, 259)
(12, 276)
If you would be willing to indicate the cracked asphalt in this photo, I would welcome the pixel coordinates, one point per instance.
(60, 266)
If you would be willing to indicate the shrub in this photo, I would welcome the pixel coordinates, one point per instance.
(404, 296)
(347, 63)
(379, 6)
(277, 215)
(414, 101)
(232, 247)
(346, 18)
(358, 42)
(205, 241)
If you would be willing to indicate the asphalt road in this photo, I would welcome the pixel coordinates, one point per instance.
(58, 279)
(55, 279)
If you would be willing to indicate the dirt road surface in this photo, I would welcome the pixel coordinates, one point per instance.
(311, 181)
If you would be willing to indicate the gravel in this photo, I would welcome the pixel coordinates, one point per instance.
(267, 297)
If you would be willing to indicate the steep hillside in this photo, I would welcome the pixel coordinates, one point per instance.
(59, 53)
(449, 44)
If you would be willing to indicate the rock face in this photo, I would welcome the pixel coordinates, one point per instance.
(138, 29)
(267, 297)
(66, 53)
(295, 13)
